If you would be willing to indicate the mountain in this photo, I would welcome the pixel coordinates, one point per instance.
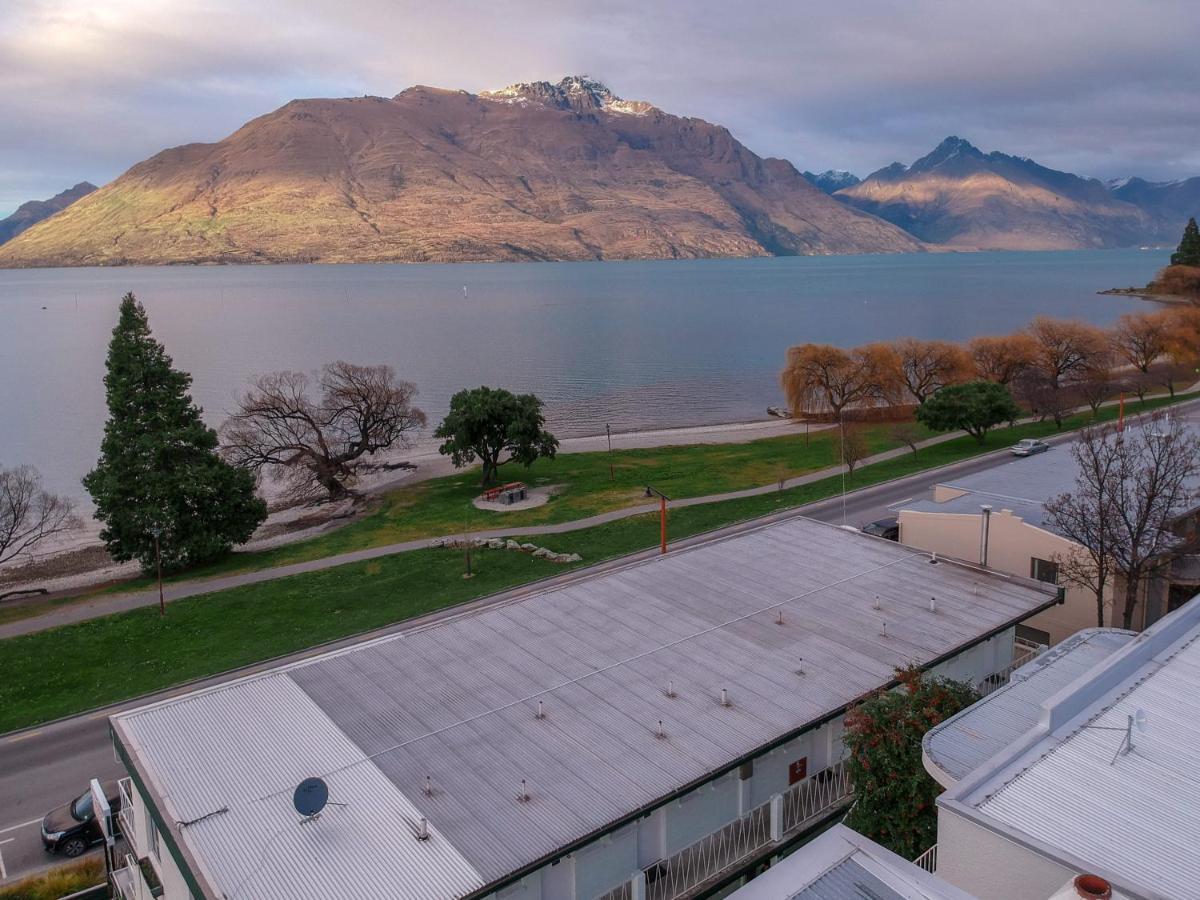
(1169, 204)
(29, 214)
(832, 180)
(540, 171)
(962, 197)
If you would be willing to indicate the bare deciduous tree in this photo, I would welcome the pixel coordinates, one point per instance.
(928, 366)
(1002, 358)
(1139, 339)
(318, 444)
(908, 434)
(851, 445)
(1063, 347)
(1094, 383)
(1130, 491)
(823, 378)
(29, 514)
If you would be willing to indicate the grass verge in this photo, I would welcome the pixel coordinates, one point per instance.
(58, 882)
(128, 654)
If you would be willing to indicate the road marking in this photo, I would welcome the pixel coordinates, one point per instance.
(898, 502)
(3, 871)
(15, 827)
(21, 737)
(7, 840)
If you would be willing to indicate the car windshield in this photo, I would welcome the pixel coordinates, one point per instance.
(1026, 443)
(81, 809)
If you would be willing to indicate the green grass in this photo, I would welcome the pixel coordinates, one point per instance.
(58, 882)
(120, 656)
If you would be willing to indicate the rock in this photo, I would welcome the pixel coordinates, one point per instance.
(542, 553)
(572, 557)
(511, 545)
(495, 544)
(529, 548)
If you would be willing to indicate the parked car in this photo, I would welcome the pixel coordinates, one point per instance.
(885, 528)
(1028, 447)
(72, 828)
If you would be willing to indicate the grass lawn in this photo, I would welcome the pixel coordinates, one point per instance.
(128, 654)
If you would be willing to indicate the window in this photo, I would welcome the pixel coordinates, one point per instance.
(154, 842)
(1043, 570)
(1033, 635)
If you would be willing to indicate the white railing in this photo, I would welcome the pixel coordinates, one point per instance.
(928, 860)
(129, 883)
(128, 814)
(760, 828)
(1023, 652)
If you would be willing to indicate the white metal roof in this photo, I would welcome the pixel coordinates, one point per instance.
(842, 864)
(456, 701)
(966, 740)
(1067, 792)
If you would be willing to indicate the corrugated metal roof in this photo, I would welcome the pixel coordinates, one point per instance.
(844, 865)
(964, 741)
(456, 701)
(1135, 817)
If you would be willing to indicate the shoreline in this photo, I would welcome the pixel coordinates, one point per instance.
(81, 561)
(1147, 294)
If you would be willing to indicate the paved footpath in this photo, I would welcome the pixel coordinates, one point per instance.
(107, 604)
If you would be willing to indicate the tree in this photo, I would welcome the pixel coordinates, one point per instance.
(1131, 488)
(1063, 347)
(1188, 253)
(1139, 339)
(823, 378)
(317, 445)
(29, 514)
(1002, 358)
(895, 799)
(1183, 346)
(928, 366)
(852, 448)
(908, 434)
(1044, 397)
(158, 469)
(485, 422)
(1094, 382)
(974, 407)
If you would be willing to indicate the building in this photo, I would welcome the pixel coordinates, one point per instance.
(1084, 763)
(997, 517)
(841, 864)
(649, 732)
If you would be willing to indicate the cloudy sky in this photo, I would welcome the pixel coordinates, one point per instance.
(1092, 86)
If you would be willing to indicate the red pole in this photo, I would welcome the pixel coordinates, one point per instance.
(1121, 414)
(662, 516)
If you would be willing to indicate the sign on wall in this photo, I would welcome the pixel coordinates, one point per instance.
(798, 770)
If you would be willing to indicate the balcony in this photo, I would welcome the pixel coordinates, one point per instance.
(698, 867)
(1023, 652)
(127, 817)
(129, 882)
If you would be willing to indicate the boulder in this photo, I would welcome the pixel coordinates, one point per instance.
(542, 553)
(529, 548)
(495, 544)
(511, 545)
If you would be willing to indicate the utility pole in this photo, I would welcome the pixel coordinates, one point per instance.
(662, 517)
(162, 602)
(608, 431)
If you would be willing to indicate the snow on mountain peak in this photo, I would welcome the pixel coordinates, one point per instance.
(578, 92)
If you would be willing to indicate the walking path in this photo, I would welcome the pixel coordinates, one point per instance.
(107, 604)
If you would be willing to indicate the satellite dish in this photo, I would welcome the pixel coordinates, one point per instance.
(311, 796)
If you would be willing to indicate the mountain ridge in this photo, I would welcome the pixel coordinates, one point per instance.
(535, 171)
(31, 212)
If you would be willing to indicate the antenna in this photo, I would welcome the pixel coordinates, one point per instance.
(310, 797)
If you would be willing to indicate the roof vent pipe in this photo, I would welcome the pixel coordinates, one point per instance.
(1092, 887)
(671, 689)
(428, 786)
(523, 796)
(876, 604)
(779, 618)
(661, 732)
(933, 560)
(541, 713)
(423, 829)
(800, 666)
(724, 697)
(985, 529)
(883, 628)
(933, 604)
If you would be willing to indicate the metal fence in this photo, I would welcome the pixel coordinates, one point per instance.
(1023, 652)
(928, 860)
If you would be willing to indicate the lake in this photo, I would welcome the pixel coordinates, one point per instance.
(634, 344)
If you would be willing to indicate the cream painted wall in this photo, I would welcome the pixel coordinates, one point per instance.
(991, 867)
(1012, 544)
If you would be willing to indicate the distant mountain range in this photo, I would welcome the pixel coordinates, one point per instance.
(565, 171)
(29, 214)
(541, 171)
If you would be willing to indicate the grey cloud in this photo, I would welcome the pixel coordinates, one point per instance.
(1104, 88)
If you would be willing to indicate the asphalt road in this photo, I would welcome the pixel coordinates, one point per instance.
(46, 766)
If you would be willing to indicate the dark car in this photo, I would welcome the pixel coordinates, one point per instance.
(72, 828)
(885, 528)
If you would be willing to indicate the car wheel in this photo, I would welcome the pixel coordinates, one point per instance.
(74, 846)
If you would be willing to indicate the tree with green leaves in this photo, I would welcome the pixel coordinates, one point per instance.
(159, 472)
(894, 796)
(485, 422)
(1188, 253)
(974, 407)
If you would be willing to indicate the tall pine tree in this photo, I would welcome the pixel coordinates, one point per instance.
(1188, 253)
(158, 467)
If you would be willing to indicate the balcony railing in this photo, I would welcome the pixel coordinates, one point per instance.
(1023, 652)
(928, 860)
(129, 883)
(127, 817)
(694, 867)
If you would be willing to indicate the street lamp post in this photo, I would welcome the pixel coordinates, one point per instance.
(162, 603)
(662, 516)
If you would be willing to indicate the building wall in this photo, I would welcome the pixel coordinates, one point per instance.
(142, 844)
(991, 867)
(1012, 545)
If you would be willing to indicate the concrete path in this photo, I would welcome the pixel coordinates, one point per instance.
(107, 604)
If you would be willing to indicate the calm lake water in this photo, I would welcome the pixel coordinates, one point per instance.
(635, 344)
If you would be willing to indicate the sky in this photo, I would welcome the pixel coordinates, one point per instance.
(1097, 87)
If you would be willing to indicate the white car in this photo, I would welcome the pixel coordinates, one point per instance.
(1028, 447)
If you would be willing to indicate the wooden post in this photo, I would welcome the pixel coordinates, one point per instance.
(608, 431)
(662, 515)
(1121, 414)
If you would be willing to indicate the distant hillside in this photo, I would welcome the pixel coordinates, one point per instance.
(1169, 204)
(29, 214)
(541, 171)
(832, 180)
(961, 197)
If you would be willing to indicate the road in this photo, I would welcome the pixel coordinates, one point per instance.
(46, 766)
